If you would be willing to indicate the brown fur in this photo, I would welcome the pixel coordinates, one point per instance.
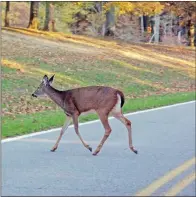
(101, 99)
(84, 99)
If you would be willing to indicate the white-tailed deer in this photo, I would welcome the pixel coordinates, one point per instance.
(103, 100)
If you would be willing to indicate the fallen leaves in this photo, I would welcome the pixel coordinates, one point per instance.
(79, 65)
(11, 64)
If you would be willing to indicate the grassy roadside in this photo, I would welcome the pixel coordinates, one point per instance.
(24, 124)
(149, 75)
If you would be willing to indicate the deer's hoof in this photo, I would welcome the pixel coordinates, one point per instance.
(89, 148)
(95, 153)
(53, 149)
(135, 151)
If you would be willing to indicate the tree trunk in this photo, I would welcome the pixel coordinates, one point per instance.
(142, 25)
(157, 24)
(49, 24)
(191, 34)
(110, 22)
(7, 9)
(145, 19)
(98, 6)
(33, 20)
(179, 37)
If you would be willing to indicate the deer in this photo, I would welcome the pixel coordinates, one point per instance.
(103, 100)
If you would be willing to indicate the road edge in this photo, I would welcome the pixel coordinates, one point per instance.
(91, 122)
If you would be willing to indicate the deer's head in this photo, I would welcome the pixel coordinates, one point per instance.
(44, 83)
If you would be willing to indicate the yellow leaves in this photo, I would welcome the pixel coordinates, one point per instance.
(148, 8)
(137, 8)
(34, 24)
(78, 3)
(126, 7)
(12, 64)
(121, 7)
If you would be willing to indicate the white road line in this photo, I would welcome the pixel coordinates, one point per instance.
(91, 122)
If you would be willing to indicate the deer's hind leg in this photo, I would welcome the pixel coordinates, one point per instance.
(119, 115)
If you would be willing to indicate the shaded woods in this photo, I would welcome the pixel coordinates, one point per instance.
(159, 22)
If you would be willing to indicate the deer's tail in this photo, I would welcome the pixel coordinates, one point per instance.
(122, 97)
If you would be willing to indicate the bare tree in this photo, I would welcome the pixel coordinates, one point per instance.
(157, 25)
(7, 9)
(109, 26)
(33, 20)
(49, 24)
(142, 24)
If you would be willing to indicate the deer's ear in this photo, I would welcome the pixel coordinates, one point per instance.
(51, 79)
(45, 79)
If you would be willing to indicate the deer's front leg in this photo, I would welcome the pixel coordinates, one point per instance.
(75, 121)
(65, 126)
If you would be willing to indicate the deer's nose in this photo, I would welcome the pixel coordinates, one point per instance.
(34, 95)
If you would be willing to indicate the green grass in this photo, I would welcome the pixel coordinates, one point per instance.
(146, 82)
(23, 124)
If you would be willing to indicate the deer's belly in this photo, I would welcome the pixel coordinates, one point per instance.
(92, 111)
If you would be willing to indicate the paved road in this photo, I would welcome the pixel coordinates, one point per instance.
(165, 140)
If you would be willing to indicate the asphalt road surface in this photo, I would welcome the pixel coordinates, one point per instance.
(165, 165)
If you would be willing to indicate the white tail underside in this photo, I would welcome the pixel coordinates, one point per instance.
(117, 108)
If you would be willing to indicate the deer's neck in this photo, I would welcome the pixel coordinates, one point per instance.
(54, 94)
